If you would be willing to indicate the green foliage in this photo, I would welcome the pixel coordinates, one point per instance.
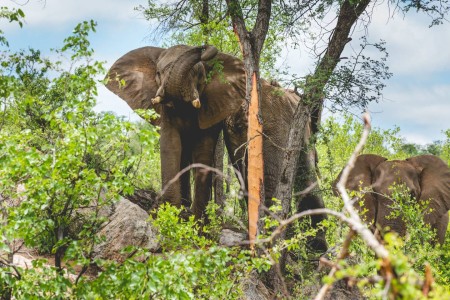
(185, 22)
(191, 266)
(192, 271)
(12, 15)
(360, 80)
(418, 244)
(437, 11)
(445, 154)
(337, 140)
(60, 162)
(439, 148)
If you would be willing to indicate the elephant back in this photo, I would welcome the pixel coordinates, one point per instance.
(278, 108)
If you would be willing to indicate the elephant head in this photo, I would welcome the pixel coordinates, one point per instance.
(150, 77)
(426, 177)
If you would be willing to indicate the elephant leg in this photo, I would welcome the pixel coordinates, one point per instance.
(235, 137)
(171, 148)
(438, 219)
(203, 153)
(185, 179)
(367, 209)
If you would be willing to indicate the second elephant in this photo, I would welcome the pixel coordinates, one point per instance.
(426, 177)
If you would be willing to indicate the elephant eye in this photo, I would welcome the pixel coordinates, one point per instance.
(158, 78)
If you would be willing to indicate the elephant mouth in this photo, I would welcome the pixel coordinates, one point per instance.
(181, 74)
(160, 100)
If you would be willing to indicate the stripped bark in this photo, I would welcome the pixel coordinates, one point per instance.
(255, 163)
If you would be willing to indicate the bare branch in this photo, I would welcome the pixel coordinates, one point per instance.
(343, 254)
(359, 227)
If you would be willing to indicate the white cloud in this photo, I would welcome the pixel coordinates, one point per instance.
(416, 138)
(57, 12)
(414, 47)
(421, 112)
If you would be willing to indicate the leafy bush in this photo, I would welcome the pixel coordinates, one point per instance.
(190, 267)
(59, 159)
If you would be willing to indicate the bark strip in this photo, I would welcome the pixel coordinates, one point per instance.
(255, 163)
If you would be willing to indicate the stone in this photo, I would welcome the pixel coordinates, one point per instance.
(127, 225)
(229, 237)
(254, 289)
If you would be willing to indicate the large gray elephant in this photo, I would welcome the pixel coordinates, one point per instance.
(198, 91)
(427, 178)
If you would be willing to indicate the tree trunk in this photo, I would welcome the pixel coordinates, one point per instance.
(312, 104)
(310, 108)
(251, 45)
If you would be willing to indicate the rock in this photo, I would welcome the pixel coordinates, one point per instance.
(342, 291)
(127, 226)
(254, 289)
(229, 237)
(144, 198)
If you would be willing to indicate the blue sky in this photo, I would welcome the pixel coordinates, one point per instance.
(416, 98)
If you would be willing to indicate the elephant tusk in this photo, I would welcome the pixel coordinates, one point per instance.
(156, 100)
(196, 103)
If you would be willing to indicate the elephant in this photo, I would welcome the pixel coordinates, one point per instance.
(199, 92)
(426, 177)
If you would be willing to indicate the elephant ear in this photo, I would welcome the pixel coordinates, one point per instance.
(224, 92)
(132, 77)
(434, 181)
(362, 173)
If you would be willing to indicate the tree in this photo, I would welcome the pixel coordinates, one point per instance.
(251, 43)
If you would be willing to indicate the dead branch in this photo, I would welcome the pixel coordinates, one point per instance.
(343, 254)
(426, 288)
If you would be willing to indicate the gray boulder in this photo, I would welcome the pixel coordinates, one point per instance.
(254, 289)
(127, 225)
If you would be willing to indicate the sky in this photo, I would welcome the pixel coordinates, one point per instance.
(416, 98)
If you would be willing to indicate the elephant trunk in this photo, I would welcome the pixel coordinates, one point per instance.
(180, 78)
